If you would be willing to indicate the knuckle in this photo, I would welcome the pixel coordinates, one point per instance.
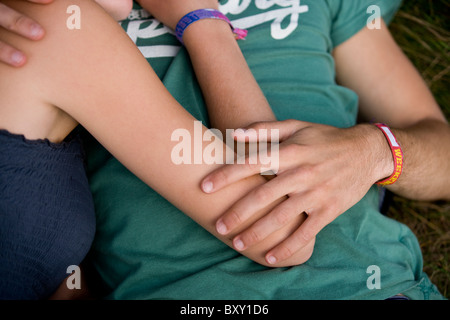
(251, 164)
(306, 173)
(300, 177)
(220, 175)
(291, 150)
(282, 217)
(6, 51)
(291, 122)
(297, 172)
(304, 236)
(16, 22)
(252, 237)
(263, 193)
(330, 210)
(260, 125)
(285, 252)
(233, 218)
(309, 171)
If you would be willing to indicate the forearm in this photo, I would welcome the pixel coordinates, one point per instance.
(426, 165)
(426, 171)
(391, 90)
(232, 95)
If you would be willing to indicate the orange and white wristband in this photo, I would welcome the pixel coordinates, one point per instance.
(397, 154)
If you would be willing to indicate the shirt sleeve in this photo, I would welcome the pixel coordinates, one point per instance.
(350, 16)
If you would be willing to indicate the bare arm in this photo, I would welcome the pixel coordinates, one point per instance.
(122, 107)
(232, 95)
(392, 91)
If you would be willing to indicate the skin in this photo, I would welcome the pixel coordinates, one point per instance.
(67, 95)
(23, 25)
(317, 171)
(220, 67)
(227, 107)
(328, 147)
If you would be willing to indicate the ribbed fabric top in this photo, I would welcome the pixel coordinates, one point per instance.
(47, 220)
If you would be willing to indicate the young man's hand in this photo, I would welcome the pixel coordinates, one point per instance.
(322, 169)
(21, 25)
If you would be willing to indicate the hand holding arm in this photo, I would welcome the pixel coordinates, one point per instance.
(322, 169)
(326, 170)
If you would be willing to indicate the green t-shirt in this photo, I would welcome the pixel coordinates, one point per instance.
(145, 248)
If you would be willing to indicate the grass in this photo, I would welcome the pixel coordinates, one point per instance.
(422, 29)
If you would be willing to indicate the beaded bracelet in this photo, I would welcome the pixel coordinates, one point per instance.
(397, 154)
(196, 15)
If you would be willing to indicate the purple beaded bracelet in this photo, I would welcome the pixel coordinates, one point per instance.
(196, 15)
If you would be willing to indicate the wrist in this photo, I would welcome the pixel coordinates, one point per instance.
(207, 30)
(380, 153)
(196, 16)
(397, 155)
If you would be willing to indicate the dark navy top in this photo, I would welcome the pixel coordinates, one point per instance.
(47, 220)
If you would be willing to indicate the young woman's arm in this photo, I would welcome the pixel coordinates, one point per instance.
(98, 76)
(233, 97)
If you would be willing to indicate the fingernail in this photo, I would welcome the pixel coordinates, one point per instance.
(221, 227)
(271, 259)
(36, 31)
(207, 186)
(238, 244)
(17, 58)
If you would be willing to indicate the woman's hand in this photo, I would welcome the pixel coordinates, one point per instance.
(21, 25)
(169, 12)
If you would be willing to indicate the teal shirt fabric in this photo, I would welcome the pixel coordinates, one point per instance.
(145, 248)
